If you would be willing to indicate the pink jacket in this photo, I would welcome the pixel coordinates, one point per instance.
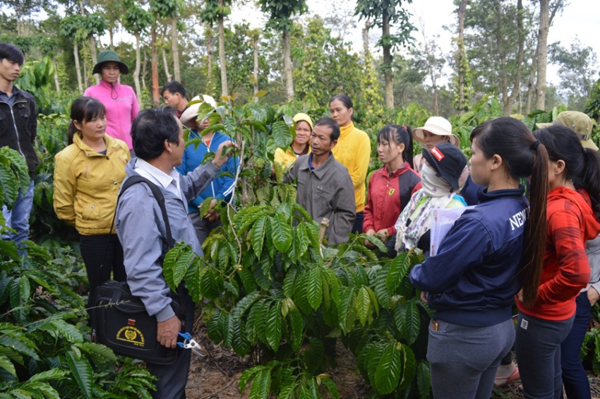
(121, 108)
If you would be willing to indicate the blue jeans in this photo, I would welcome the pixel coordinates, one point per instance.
(573, 375)
(538, 353)
(18, 217)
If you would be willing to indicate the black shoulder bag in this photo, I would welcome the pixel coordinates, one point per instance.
(120, 320)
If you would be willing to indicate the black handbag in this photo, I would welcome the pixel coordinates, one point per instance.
(120, 320)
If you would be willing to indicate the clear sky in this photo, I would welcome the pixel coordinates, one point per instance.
(581, 19)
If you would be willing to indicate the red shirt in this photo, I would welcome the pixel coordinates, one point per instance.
(571, 222)
(383, 199)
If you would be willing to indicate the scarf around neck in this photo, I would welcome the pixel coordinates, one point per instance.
(435, 194)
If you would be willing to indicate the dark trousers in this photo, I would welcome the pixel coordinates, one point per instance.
(102, 254)
(574, 377)
(172, 378)
(358, 222)
(538, 353)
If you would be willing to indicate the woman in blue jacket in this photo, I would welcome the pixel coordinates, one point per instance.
(221, 187)
(491, 252)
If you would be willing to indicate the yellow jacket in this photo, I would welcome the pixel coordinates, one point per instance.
(287, 157)
(86, 184)
(353, 150)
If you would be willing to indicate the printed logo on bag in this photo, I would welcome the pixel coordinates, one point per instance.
(437, 154)
(132, 335)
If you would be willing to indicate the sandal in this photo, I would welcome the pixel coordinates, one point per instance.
(501, 381)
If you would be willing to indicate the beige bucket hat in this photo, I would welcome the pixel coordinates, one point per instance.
(191, 112)
(577, 121)
(436, 125)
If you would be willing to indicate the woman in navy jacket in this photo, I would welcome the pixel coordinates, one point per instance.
(491, 252)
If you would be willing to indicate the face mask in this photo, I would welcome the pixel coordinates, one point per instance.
(433, 183)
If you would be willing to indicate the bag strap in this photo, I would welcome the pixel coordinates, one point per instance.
(406, 182)
(160, 198)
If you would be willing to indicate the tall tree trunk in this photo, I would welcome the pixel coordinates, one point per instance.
(164, 57)
(543, 55)
(77, 66)
(501, 52)
(387, 62)
(287, 66)
(462, 56)
(111, 38)
(56, 83)
(530, 83)
(508, 104)
(144, 71)
(255, 45)
(154, 62)
(209, 56)
(175, 49)
(85, 69)
(365, 34)
(222, 61)
(94, 56)
(136, 72)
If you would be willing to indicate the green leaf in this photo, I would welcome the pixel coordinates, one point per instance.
(332, 388)
(70, 332)
(239, 341)
(53, 374)
(409, 368)
(259, 324)
(244, 304)
(99, 351)
(82, 372)
(408, 321)
(273, 330)
(282, 134)
(381, 291)
(347, 313)
(7, 365)
(214, 327)
(211, 283)
(258, 235)
(247, 375)
(261, 385)
(375, 241)
(20, 343)
(314, 288)
(9, 248)
(169, 264)
(288, 282)
(398, 270)
(296, 327)
(362, 305)
(9, 185)
(247, 278)
(192, 279)
(281, 232)
(388, 370)
(424, 380)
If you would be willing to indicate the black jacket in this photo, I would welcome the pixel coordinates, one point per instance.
(18, 127)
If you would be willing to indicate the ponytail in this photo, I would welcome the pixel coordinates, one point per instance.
(522, 156)
(71, 130)
(590, 178)
(532, 258)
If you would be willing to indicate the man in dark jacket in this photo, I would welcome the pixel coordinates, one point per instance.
(18, 125)
(325, 188)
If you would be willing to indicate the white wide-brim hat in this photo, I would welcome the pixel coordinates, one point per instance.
(191, 112)
(436, 125)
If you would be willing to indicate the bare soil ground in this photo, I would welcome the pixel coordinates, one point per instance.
(216, 375)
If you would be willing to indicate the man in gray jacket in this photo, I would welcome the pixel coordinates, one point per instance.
(325, 188)
(158, 143)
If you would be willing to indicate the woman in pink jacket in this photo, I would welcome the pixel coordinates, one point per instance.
(119, 100)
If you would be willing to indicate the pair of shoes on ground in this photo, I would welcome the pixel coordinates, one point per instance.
(501, 381)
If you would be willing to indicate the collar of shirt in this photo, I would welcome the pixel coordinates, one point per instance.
(169, 182)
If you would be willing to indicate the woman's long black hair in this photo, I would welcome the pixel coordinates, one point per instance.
(399, 135)
(84, 109)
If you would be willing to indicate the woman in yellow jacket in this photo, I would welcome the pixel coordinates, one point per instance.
(87, 178)
(353, 150)
(301, 144)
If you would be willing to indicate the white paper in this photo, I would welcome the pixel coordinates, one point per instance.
(443, 220)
